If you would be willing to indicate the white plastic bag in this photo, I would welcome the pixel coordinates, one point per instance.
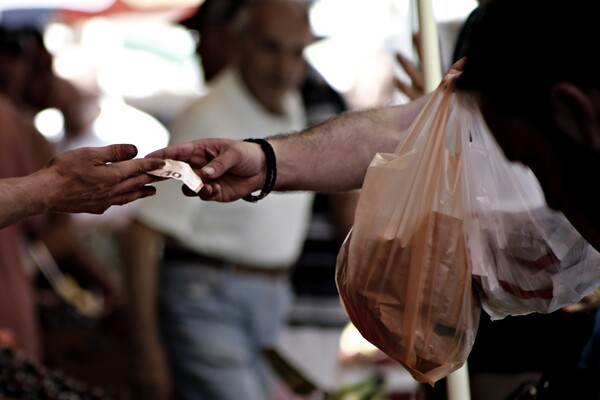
(526, 257)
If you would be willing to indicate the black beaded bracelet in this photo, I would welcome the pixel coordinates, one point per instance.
(271, 173)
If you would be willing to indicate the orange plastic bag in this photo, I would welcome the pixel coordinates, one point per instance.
(403, 273)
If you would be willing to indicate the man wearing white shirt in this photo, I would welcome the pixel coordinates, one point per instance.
(224, 288)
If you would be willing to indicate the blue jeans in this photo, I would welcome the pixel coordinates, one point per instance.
(214, 323)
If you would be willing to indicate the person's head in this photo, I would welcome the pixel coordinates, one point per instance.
(27, 74)
(213, 22)
(15, 63)
(270, 37)
(533, 67)
(264, 38)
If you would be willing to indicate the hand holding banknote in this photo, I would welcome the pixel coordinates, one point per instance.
(229, 168)
(181, 171)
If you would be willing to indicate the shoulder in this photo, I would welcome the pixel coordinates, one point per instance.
(200, 115)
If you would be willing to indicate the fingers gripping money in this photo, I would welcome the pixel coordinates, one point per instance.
(181, 171)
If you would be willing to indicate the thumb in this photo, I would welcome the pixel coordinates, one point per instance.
(220, 165)
(213, 170)
(117, 152)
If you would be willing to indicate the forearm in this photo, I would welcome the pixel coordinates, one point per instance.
(140, 252)
(329, 157)
(20, 198)
(334, 156)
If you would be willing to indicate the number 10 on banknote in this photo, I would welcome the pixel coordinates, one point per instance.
(181, 171)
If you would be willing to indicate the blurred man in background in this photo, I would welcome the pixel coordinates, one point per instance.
(224, 286)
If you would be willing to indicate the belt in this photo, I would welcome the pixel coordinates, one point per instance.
(181, 254)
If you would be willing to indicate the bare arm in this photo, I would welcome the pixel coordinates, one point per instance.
(334, 156)
(83, 180)
(329, 157)
(141, 247)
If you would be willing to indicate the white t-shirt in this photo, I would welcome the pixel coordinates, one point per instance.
(268, 233)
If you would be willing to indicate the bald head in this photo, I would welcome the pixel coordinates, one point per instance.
(264, 11)
(270, 39)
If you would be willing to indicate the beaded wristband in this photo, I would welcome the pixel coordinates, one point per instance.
(271, 173)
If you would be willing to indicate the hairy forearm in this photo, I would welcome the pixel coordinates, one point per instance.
(20, 198)
(334, 156)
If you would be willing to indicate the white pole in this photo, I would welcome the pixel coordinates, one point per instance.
(431, 64)
(457, 383)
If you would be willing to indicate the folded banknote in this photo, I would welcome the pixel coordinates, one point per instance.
(181, 171)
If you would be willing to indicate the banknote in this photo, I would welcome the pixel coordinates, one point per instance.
(181, 171)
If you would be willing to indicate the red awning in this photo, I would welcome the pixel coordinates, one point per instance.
(166, 10)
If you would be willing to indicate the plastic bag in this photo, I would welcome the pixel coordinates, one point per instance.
(526, 257)
(403, 273)
(444, 208)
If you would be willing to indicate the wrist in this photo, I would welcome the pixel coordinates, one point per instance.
(36, 192)
(270, 170)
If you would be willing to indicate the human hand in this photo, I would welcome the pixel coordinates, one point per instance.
(415, 88)
(92, 179)
(455, 69)
(230, 169)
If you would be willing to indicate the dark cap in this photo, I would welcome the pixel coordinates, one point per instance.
(214, 12)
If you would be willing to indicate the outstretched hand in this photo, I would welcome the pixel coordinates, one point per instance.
(94, 178)
(230, 169)
(415, 88)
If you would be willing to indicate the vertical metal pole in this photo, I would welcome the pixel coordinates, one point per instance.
(458, 385)
(431, 64)
(458, 382)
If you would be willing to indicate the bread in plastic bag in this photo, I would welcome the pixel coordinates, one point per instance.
(403, 273)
